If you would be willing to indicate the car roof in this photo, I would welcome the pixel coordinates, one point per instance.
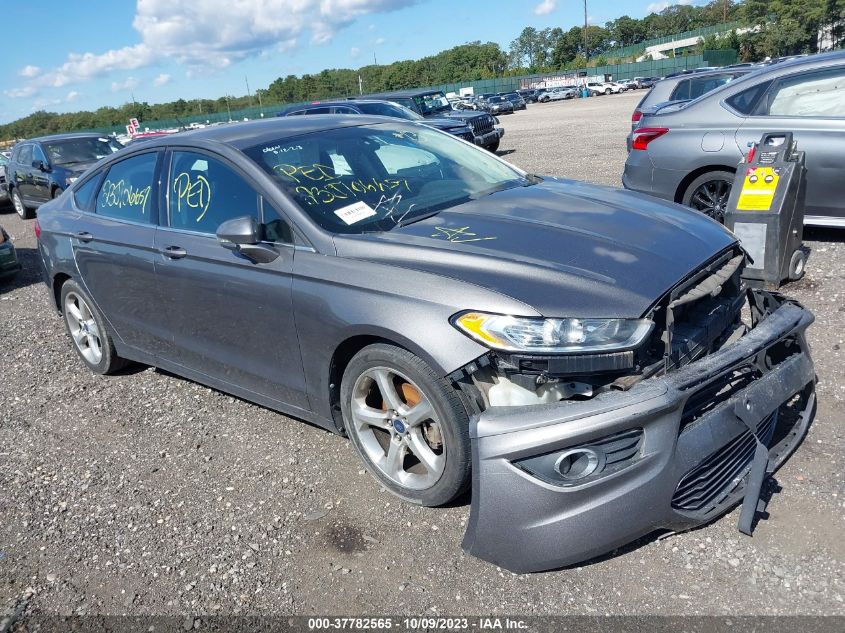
(415, 92)
(249, 133)
(63, 137)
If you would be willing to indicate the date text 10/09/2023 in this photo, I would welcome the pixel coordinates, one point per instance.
(417, 624)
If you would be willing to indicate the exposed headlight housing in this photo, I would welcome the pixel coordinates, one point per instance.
(552, 336)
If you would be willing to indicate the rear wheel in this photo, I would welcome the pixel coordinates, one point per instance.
(20, 207)
(407, 424)
(88, 331)
(607, 91)
(709, 193)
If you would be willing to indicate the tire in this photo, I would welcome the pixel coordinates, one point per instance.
(709, 193)
(87, 330)
(607, 91)
(20, 207)
(493, 146)
(797, 265)
(57, 192)
(379, 429)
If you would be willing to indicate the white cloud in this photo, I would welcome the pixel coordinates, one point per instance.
(71, 96)
(29, 71)
(657, 7)
(162, 79)
(81, 67)
(379, 41)
(545, 7)
(129, 84)
(354, 52)
(210, 34)
(20, 93)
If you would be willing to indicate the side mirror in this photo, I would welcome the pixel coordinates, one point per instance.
(40, 165)
(243, 235)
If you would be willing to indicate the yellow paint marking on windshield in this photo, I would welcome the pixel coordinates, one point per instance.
(458, 236)
(194, 194)
(119, 194)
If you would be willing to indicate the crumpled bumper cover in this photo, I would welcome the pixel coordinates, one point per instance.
(525, 524)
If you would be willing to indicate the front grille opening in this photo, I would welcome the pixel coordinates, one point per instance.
(714, 480)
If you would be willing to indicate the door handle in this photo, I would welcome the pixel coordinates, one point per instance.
(84, 236)
(174, 252)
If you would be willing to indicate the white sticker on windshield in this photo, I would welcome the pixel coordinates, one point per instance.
(355, 212)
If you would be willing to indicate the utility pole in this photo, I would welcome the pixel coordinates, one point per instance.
(375, 61)
(586, 55)
(248, 93)
(228, 109)
(260, 105)
(360, 85)
(725, 12)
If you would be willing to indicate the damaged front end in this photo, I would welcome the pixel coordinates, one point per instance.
(577, 454)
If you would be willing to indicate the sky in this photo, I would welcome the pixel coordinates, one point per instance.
(67, 56)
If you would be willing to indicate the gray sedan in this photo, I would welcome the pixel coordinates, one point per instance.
(688, 153)
(575, 354)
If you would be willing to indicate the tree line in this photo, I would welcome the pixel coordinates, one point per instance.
(780, 27)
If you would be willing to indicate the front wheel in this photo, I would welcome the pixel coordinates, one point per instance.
(408, 425)
(493, 146)
(709, 193)
(607, 91)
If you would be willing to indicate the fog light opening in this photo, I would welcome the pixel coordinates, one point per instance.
(579, 463)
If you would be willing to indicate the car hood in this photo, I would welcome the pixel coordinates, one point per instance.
(74, 169)
(445, 124)
(562, 247)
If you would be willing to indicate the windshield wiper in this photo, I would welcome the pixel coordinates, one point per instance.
(416, 218)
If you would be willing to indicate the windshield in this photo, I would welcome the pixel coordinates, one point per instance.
(80, 150)
(389, 109)
(496, 99)
(372, 178)
(428, 104)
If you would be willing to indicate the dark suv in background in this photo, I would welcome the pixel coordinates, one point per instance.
(379, 107)
(433, 104)
(41, 168)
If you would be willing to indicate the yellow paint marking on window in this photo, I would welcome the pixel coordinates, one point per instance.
(194, 194)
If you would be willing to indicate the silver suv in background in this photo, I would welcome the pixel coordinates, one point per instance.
(689, 152)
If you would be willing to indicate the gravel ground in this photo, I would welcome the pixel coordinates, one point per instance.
(148, 494)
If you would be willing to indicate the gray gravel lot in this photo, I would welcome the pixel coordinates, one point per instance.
(148, 494)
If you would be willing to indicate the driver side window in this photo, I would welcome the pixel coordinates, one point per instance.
(204, 192)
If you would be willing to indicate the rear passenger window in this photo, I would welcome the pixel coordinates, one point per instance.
(25, 155)
(205, 192)
(84, 195)
(126, 193)
(702, 85)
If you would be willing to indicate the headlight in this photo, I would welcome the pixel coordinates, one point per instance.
(552, 336)
(70, 180)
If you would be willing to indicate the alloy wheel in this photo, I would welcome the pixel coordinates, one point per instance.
(83, 328)
(398, 428)
(711, 198)
(18, 204)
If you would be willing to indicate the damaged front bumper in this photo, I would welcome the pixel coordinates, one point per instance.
(671, 453)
